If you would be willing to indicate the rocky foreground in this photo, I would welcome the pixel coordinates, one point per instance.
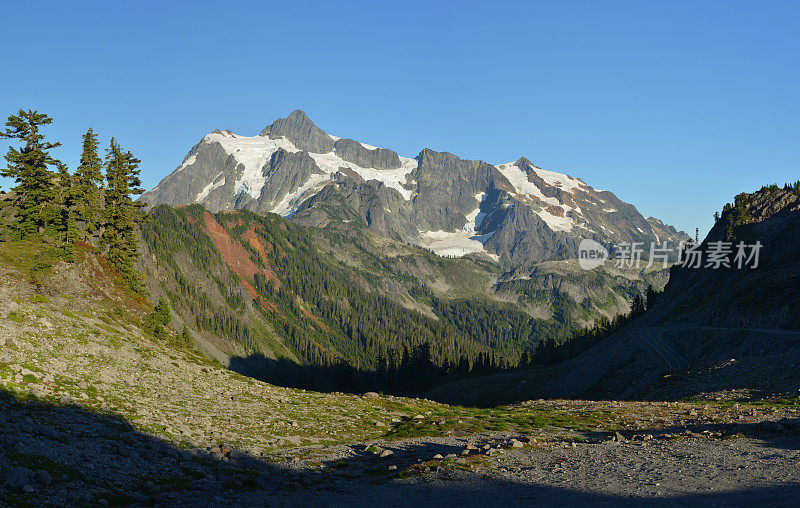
(93, 412)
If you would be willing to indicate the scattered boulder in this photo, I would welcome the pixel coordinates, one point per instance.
(43, 478)
(17, 478)
(48, 431)
(371, 395)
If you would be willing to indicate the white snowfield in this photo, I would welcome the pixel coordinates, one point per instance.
(254, 152)
(208, 188)
(460, 243)
(524, 187)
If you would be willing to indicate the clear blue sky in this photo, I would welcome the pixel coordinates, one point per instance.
(675, 106)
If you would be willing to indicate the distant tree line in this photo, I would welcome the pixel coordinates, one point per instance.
(737, 214)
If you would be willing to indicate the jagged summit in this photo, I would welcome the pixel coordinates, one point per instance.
(301, 131)
(437, 200)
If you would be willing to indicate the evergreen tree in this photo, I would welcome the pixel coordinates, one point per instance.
(637, 306)
(67, 204)
(161, 313)
(29, 167)
(89, 178)
(650, 296)
(122, 213)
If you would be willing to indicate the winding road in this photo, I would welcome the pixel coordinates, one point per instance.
(653, 342)
(651, 337)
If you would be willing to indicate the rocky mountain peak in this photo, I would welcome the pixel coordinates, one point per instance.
(438, 200)
(301, 131)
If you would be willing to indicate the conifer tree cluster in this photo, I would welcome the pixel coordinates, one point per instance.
(49, 204)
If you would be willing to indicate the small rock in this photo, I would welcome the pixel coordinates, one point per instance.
(371, 395)
(438, 456)
(48, 431)
(82, 384)
(385, 453)
(392, 468)
(43, 478)
(619, 437)
(17, 478)
(65, 399)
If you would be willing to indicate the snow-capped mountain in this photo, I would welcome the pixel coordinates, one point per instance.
(452, 206)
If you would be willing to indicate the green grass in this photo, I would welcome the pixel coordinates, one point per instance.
(31, 257)
(36, 462)
(16, 317)
(468, 420)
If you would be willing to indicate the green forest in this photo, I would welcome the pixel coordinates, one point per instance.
(336, 318)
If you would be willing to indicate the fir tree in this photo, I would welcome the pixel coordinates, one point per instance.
(67, 204)
(650, 296)
(122, 215)
(29, 167)
(89, 178)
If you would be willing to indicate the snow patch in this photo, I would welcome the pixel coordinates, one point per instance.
(188, 162)
(460, 243)
(519, 179)
(555, 222)
(457, 244)
(394, 178)
(566, 182)
(253, 153)
(292, 201)
(368, 147)
(203, 194)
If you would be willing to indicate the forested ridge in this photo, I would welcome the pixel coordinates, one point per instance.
(338, 318)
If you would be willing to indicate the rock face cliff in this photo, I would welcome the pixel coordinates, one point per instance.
(767, 296)
(515, 211)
